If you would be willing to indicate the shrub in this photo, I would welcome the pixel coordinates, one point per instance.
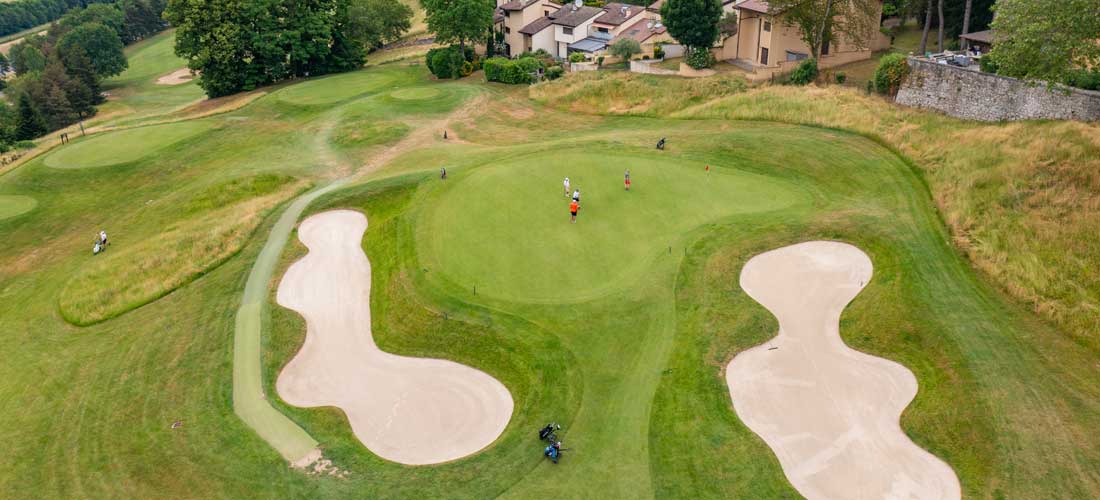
(841, 77)
(1084, 79)
(658, 52)
(555, 72)
(450, 62)
(513, 71)
(576, 57)
(891, 71)
(700, 58)
(625, 48)
(24, 145)
(599, 61)
(988, 63)
(805, 73)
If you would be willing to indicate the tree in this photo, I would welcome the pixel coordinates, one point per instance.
(79, 67)
(819, 21)
(29, 123)
(1046, 39)
(459, 21)
(101, 44)
(693, 22)
(625, 48)
(375, 23)
(939, 13)
(26, 58)
(927, 26)
(105, 14)
(966, 21)
(141, 19)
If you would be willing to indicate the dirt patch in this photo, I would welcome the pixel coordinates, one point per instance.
(177, 77)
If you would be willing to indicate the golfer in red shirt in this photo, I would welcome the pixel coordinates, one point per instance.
(573, 207)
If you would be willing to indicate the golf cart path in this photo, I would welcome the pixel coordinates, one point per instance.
(830, 413)
(414, 411)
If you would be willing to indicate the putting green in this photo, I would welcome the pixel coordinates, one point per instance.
(14, 204)
(123, 146)
(336, 88)
(415, 93)
(505, 228)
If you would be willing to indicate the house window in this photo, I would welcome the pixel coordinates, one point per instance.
(507, 30)
(546, 13)
(825, 48)
(602, 30)
(764, 56)
(796, 56)
(768, 26)
(567, 31)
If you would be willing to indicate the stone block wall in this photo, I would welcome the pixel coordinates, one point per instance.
(974, 95)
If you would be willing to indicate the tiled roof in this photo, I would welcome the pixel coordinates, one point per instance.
(979, 36)
(537, 25)
(640, 32)
(517, 4)
(617, 13)
(760, 6)
(572, 16)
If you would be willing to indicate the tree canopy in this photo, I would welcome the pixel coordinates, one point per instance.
(1046, 39)
(459, 21)
(625, 48)
(820, 21)
(100, 43)
(692, 22)
(375, 23)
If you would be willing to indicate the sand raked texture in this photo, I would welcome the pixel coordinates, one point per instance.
(408, 410)
(830, 413)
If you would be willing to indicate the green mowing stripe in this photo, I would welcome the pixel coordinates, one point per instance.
(249, 401)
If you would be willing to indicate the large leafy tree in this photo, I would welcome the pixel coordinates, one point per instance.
(101, 44)
(1046, 39)
(238, 45)
(820, 21)
(693, 22)
(375, 23)
(459, 21)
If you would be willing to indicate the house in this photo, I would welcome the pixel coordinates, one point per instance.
(647, 32)
(766, 44)
(515, 15)
(617, 17)
(981, 41)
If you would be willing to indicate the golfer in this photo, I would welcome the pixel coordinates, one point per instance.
(626, 181)
(566, 184)
(574, 206)
(577, 194)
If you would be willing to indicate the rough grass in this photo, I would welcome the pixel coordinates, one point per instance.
(131, 274)
(632, 93)
(1022, 200)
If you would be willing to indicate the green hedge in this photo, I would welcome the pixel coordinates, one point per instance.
(891, 71)
(504, 70)
(805, 72)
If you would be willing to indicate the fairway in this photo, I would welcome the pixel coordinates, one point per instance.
(248, 334)
(504, 228)
(125, 146)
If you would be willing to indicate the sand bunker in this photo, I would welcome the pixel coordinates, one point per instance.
(829, 413)
(176, 77)
(409, 410)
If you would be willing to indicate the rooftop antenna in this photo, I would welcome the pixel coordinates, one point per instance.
(649, 25)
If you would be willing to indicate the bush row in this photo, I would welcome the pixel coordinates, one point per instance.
(504, 70)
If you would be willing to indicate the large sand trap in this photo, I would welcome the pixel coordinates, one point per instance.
(829, 413)
(408, 410)
(176, 77)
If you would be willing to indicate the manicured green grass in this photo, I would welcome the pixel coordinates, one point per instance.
(13, 205)
(618, 327)
(124, 146)
(503, 227)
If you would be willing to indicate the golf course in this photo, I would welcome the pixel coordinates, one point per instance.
(295, 303)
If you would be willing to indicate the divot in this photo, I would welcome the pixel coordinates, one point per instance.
(830, 413)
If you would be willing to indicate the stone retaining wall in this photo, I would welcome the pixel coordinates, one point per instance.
(974, 95)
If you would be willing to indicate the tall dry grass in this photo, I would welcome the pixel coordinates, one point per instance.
(1022, 200)
(128, 277)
